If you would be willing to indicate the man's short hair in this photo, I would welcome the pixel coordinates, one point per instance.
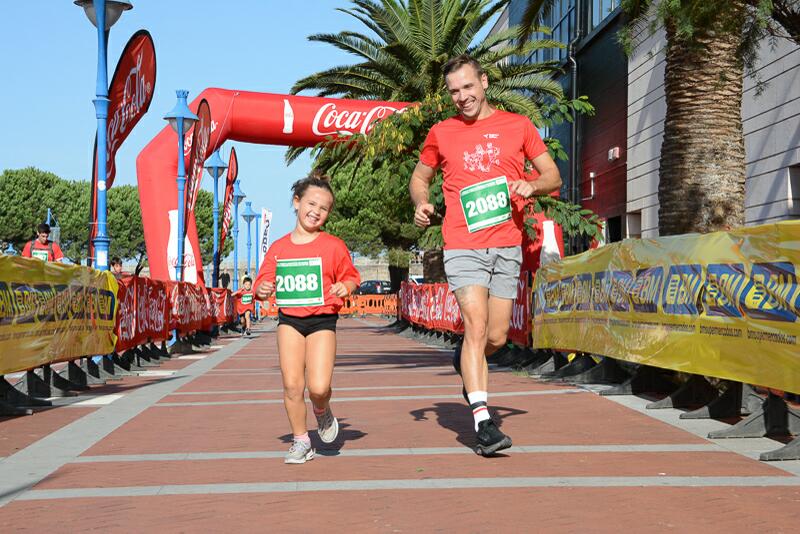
(247, 279)
(459, 61)
(43, 228)
(116, 261)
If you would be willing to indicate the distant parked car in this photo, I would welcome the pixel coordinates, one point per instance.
(416, 280)
(374, 287)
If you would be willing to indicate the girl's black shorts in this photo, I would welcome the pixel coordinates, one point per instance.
(308, 325)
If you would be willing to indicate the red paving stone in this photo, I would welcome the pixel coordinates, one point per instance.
(18, 432)
(596, 510)
(541, 419)
(437, 423)
(327, 468)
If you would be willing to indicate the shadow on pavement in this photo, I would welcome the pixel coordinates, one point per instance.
(458, 418)
(346, 434)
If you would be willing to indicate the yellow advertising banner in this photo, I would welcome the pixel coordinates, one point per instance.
(52, 312)
(724, 304)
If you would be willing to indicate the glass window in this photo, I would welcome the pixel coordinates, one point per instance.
(602, 9)
(560, 20)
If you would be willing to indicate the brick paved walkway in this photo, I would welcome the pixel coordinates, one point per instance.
(197, 446)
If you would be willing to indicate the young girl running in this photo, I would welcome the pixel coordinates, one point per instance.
(309, 272)
(245, 305)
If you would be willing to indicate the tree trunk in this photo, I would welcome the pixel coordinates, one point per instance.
(433, 266)
(702, 166)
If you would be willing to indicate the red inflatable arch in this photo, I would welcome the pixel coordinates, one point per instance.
(249, 117)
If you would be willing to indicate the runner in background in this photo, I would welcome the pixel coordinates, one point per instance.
(41, 247)
(482, 153)
(245, 304)
(309, 272)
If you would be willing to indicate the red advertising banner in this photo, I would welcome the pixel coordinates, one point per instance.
(199, 152)
(144, 313)
(433, 306)
(190, 307)
(222, 303)
(227, 203)
(130, 93)
(519, 331)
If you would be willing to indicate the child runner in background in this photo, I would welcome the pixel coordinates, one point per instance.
(309, 272)
(245, 304)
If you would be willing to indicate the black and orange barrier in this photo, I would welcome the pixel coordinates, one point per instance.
(54, 313)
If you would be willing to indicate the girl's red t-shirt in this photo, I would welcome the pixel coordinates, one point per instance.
(245, 300)
(326, 254)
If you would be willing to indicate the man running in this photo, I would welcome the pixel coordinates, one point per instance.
(482, 153)
(41, 247)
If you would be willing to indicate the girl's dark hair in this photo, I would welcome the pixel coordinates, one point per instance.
(313, 180)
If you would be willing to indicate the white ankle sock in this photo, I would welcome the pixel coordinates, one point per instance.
(477, 403)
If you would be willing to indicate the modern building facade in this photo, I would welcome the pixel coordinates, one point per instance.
(614, 169)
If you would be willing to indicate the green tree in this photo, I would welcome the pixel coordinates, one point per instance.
(125, 225)
(25, 195)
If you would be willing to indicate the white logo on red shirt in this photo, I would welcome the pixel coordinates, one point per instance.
(491, 136)
(483, 158)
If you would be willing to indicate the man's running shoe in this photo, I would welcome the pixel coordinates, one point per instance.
(327, 426)
(457, 367)
(247, 332)
(490, 439)
(299, 453)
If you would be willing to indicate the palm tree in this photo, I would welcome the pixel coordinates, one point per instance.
(412, 41)
(710, 45)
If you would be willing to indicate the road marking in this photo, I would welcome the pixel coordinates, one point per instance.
(401, 451)
(412, 484)
(370, 399)
(358, 388)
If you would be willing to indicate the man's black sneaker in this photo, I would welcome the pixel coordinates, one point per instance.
(457, 367)
(490, 439)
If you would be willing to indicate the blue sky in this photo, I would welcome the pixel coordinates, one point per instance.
(49, 59)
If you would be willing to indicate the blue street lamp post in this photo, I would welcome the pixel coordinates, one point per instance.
(215, 165)
(238, 196)
(181, 119)
(103, 14)
(248, 215)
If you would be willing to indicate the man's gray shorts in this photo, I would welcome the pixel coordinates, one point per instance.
(495, 268)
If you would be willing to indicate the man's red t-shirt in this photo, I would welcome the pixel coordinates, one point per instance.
(482, 152)
(245, 300)
(35, 249)
(303, 274)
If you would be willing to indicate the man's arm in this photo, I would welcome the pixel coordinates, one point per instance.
(549, 179)
(419, 189)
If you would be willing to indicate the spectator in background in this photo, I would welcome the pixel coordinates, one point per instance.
(41, 247)
(116, 268)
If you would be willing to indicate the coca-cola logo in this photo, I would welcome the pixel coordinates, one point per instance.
(331, 121)
(136, 95)
(127, 314)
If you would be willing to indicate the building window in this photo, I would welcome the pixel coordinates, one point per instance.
(794, 191)
(561, 21)
(601, 9)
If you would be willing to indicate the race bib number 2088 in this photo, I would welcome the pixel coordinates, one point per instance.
(298, 282)
(486, 203)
